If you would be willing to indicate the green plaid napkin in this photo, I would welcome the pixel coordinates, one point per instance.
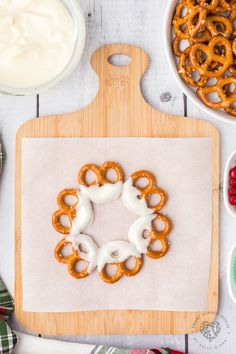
(8, 339)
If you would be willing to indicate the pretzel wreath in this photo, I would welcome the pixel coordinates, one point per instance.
(204, 44)
(115, 253)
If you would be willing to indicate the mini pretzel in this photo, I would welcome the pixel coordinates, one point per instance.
(150, 189)
(121, 270)
(185, 70)
(191, 26)
(111, 280)
(202, 37)
(176, 46)
(225, 59)
(135, 270)
(231, 110)
(70, 260)
(217, 24)
(65, 210)
(226, 98)
(210, 6)
(100, 173)
(232, 68)
(224, 6)
(234, 46)
(232, 17)
(160, 236)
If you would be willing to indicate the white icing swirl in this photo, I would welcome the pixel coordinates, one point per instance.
(132, 202)
(136, 232)
(91, 249)
(84, 215)
(103, 194)
(37, 41)
(116, 252)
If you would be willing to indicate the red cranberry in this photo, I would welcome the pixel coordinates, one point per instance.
(232, 191)
(232, 182)
(232, 173)
(232, 200)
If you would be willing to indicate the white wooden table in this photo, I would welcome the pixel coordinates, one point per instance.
(137, 22)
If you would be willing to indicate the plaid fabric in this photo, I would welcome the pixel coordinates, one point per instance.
(111, 350)
(8, 339)
(6, 302)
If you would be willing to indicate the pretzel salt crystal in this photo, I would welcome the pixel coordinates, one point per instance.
(101, 190)
(80, 214)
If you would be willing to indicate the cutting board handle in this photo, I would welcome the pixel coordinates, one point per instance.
(119, 82)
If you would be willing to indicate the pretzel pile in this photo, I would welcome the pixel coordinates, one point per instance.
(79, 214)
(206, 32)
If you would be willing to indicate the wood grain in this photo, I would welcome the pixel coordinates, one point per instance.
(118, 110)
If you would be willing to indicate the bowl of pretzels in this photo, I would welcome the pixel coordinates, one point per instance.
(200, 41)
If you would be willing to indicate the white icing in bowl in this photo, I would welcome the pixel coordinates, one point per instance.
(40, 43)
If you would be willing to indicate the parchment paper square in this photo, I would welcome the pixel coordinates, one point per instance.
(177, 282)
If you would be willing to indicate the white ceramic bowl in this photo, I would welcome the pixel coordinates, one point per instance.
(172, 63)
(74, 8)
(231, 162)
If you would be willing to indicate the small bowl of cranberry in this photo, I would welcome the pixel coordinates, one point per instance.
(230, 184)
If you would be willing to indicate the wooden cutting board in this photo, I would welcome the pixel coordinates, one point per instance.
(119, 110)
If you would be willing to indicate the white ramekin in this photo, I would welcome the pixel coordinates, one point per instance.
(172, 63)
(73, 6)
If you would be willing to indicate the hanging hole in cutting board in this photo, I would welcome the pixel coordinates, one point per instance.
(119, 60)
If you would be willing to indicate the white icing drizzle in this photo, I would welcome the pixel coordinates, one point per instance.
(84, 215)
(91, 249)
(103, 194)
(136, 232)
(132, 202)
(116, 252)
